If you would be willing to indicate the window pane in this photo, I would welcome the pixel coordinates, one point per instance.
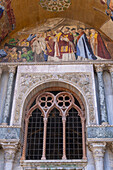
(54, 142)
(35, 136)
(73, 135)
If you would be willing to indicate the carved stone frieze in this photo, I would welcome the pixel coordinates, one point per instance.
(83, 81)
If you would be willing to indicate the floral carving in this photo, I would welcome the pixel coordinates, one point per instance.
(81, 80)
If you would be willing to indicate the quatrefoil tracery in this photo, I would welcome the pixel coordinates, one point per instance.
(63, 101)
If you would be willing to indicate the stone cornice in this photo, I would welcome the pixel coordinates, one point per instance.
(61, 63)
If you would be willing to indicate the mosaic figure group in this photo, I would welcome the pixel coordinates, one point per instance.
(64, 44)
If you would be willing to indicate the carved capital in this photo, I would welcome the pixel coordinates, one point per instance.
(10, 149)
(110, 145)
(99, 68)
(110, 68)
(98, 149)
(12, 69)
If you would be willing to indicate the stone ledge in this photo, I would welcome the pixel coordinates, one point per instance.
(9, 133)
(53, 164)
(100, 132)
(59, 63)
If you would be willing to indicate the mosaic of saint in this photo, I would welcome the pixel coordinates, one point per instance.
(57, 40)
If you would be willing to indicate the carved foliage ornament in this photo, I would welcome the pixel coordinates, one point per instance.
(55, 5)
(82, 81)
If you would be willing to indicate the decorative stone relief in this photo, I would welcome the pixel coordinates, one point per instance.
(82, 81)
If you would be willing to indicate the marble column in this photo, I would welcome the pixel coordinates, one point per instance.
(10, 148)
(111, 72)
(64, 137)
(8, 94)
(98, 150)
(44, 139)
(103, 111)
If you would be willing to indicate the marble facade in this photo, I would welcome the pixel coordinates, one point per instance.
(77, 77)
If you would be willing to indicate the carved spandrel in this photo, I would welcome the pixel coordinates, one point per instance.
(81, 80)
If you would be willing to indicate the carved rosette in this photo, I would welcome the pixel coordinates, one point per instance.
(82, 81)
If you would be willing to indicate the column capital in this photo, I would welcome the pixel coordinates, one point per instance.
(110, 68)
(12, 69)
(99, 68)
(10, 148)
(98, 149)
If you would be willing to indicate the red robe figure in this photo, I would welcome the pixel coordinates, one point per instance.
(66, 43)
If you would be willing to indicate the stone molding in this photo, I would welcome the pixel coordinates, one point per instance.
(49, 164)
(82, 81)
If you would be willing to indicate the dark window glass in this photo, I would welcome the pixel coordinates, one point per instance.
(73, 135)
(35, 136)
(54, 142)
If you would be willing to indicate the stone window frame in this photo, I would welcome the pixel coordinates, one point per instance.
(63, 112)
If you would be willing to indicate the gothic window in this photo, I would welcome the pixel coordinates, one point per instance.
(54, 128)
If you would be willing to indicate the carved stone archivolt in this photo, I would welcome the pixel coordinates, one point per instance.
(27, 81)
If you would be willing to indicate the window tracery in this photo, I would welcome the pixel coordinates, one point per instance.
(59, 107)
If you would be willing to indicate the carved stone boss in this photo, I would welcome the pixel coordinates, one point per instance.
(52, 101)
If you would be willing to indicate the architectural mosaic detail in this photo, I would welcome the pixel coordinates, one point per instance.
(55, 5)
(80, 80)
(109, 10)
(56, 40)
(7, 19)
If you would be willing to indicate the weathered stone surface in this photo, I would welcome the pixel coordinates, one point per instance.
(100, 132)
(9, 133)
(54, 164)
(31, 77)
